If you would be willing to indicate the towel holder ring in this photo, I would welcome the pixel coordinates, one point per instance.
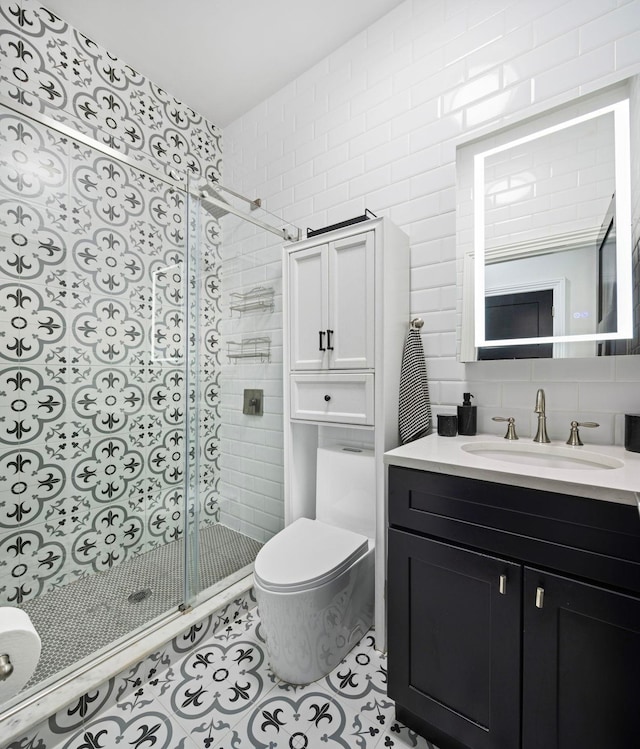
(417, 323)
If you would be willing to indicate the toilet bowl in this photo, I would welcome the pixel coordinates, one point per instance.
(314, 581)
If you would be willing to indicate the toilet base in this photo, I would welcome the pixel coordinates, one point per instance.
(308, 633)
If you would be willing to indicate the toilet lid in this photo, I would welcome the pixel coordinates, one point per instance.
(306, 554)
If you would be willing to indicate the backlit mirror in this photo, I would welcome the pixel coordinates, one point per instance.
(544, 235)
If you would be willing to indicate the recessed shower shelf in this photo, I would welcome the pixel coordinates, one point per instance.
(258, 298)
(250, 348)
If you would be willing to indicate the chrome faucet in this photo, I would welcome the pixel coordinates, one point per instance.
(541, 434)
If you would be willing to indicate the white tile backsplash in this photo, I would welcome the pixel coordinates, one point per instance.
(595, 369)
(498, 53)
(607, 28)
(627, 50)
(367, 183)
(354, 128)
(570, 75)
(621, 397)
(475, 37)
(310, 187)
(571, 15)
(487, 110)
(375, 126)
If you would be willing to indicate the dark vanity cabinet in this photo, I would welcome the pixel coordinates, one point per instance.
(514, 615)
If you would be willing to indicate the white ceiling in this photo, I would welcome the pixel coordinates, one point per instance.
(220, 57)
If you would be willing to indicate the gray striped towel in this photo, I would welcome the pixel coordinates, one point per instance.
(414, 408)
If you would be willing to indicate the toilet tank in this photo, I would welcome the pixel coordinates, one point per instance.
(346, 488)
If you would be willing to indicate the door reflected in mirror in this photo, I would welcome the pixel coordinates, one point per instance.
(545, 252)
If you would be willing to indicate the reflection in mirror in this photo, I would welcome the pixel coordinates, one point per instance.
(545, 254)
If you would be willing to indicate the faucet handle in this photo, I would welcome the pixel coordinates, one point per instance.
(511, 428)
(574, 437)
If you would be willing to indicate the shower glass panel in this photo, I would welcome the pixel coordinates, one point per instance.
(218, 553)
(110, 395)
(97, 419)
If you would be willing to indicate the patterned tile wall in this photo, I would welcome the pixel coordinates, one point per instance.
(96, 304)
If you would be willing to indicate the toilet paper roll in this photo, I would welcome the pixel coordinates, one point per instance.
(20, 641)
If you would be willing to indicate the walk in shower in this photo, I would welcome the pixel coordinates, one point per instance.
(111, 357)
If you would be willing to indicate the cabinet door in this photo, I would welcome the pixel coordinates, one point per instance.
(454, 640)
(581, 665)
(351, 310)
(308, 301)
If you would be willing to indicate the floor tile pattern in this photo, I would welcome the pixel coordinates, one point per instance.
(80, 618)
(224, 695)
(130, 689)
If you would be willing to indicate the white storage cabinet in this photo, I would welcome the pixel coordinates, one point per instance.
(346, 315)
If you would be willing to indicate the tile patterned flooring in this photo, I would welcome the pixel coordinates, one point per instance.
(222, 694)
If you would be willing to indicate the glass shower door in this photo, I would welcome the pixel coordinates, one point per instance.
(94, 364)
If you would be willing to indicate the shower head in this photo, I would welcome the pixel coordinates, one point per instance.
(213, 203)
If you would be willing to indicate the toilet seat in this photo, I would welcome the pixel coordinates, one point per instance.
(306, 554)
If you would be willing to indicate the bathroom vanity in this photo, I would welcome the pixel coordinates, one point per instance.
(514, 594)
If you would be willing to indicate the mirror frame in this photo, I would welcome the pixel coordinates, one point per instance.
(614, 100)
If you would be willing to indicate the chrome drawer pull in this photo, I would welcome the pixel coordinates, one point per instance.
(539, 598)
(503, 585)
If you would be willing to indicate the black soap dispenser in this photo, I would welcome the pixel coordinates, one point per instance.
(467, 416)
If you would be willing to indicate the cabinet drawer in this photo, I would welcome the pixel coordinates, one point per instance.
(339, 398)
(599, 541)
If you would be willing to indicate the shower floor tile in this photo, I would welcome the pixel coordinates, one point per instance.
(84, 616)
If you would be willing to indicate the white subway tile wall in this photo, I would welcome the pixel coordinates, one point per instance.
(375, 126)
(252, 446)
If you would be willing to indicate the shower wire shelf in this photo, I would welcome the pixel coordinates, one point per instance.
(250, 348)
(258, 298)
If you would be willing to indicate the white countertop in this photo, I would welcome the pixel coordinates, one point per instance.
(446, 455)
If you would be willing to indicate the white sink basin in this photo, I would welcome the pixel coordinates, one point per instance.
(543, 456)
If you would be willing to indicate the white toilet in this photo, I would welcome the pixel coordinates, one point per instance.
(314, 580)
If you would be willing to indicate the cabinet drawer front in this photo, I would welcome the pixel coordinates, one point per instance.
(343, 399)
(583, 537)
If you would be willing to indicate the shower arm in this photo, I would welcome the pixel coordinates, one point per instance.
(257, 203)
(208, 194)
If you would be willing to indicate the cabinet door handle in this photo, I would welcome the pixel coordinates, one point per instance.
(320, 343)
(539, 597)
(329, 334)
(503, 585)
(327, 398)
